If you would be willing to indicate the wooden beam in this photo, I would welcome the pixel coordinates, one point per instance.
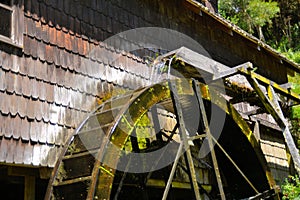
(256, 130)
(198, 95)
(266, 82)
(22, 171)
(183, 137)
(175, 184)
(29, 190)
(156, 123)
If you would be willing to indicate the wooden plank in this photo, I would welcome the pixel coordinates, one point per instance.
(265, 100)
(72, 181)
(9, 41)
(170, 179)
(86, 153)
(286, 132)
(175, 184)
(156, 123)
(256, 131)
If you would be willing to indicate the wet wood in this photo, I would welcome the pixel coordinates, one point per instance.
(175, 184)
(72, 181)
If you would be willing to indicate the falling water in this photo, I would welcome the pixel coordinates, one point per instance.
(160, 71)
(157, 70)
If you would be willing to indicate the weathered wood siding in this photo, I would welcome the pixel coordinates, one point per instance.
(271, 141)
(51, 84)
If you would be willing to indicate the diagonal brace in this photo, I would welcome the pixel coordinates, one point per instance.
(272, 106)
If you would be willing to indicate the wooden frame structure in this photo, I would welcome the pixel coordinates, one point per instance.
(50, 77)
(96, 146)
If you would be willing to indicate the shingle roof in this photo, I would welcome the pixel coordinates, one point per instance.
(228, 26)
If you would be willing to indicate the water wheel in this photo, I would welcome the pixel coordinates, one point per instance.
(146, 145)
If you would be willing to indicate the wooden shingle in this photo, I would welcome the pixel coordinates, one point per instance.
(19, 152)
(2, 80)
(17, 127)
(25, 130)
(41, 51)
(3, 149)
(35, 129)
(35, 11)
(13, 104)
(42, 135)
(28, 153)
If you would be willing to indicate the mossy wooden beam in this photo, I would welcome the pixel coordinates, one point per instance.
(281, 90)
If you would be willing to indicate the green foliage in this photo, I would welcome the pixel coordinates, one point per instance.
(295, 81)
(142, 131)
(250, 15)
(291, 188)
(293, 55)
(276, 22)
(290, 40)
(289, 45)
(262, 12)
(295, 114)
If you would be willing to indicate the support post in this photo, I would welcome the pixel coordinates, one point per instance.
(29, 190)
(183, 137)
(209, 138)
(170, 179)
(134, 142)
(256, 130)
(235, 165)
(155, 119)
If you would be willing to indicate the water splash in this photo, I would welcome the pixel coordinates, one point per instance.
(157, 70)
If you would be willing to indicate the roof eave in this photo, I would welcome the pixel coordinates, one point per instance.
(199, 9)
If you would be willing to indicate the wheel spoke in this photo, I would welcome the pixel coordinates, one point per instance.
(166, 191)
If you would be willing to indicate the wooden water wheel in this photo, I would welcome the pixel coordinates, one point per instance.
(97, 161)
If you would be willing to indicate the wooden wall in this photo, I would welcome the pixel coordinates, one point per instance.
(50, 85)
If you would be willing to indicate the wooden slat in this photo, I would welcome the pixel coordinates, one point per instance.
(72, 181)
(175, 184)
(80, 154)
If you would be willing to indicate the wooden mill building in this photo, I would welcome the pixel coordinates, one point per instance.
(55, 70)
